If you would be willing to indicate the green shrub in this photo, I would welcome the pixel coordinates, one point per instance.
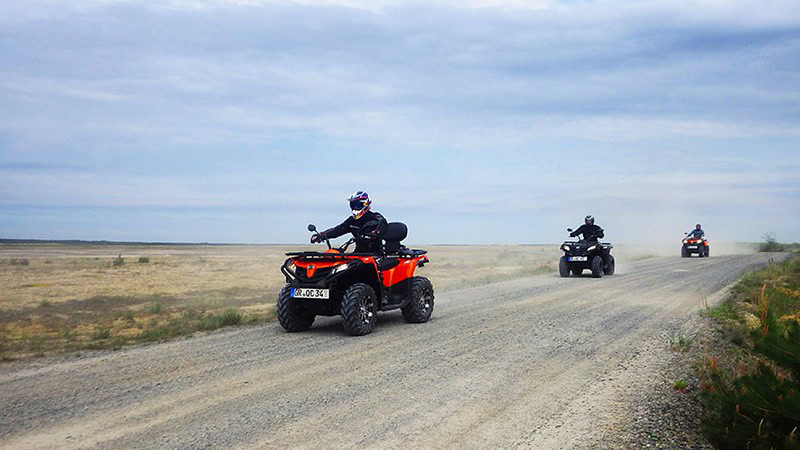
(101, 333)
(723, 311)
(214, 321)
(144, 260)
(681, 343)
(118, 261)
(19, 261)
(770, 244)
(155, 308)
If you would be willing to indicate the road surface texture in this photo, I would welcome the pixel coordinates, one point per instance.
(540, 362)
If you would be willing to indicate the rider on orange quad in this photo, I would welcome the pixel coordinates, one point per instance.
(367, 226)
(697, 233)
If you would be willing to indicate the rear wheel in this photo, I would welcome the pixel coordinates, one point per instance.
(563, 267)
(290, 315)
(359, 314)
(597, 266)
(421, 306)
(611, 267)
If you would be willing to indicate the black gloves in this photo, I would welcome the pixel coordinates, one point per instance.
(319, 237)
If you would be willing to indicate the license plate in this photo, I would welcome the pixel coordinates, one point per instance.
(692, 246)
(578, 258)
(310, 293)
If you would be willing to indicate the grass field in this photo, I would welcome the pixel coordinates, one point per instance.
(66, 298)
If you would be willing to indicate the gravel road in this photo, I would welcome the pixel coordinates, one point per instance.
(542, 362)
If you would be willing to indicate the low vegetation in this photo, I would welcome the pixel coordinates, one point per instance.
(770, 244)
(118, 261)
(752, 400)
(71, 298)
(681, 343)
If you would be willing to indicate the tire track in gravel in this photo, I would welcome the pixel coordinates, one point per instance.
(498, 365)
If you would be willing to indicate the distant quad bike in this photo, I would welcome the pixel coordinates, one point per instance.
(692, 245)
(355, 285)
(586, 254)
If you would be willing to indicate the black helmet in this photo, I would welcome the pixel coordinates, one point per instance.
(698, 226)
(589, 220)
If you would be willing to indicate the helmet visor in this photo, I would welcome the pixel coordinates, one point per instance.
(357, 205)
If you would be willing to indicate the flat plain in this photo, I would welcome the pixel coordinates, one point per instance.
(534, 361)
(65, 298)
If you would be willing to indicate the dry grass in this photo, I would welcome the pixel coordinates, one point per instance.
(73, 297)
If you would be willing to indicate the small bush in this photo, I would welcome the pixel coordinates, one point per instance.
(67, 334)
(144, 260)
(770, 244)
(36, 344)
(101, 334)
(45, 304)
(229, 317)
(723, 311)
(19, 261)
(681, 343)
(118, 261)
(155, 308)
(680, 385)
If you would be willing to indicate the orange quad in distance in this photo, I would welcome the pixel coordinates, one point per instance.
(694, 245)
(355, 285)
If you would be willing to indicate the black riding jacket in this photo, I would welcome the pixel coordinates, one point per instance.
(589, 232)
(368, 231)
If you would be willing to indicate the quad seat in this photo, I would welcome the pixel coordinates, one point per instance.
(395, 233)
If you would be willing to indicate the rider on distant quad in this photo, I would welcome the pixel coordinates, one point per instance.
(697, 233)
(589, 230)
(368, 227)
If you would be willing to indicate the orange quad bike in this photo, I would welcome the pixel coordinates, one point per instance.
(355, 285)
(692, 245)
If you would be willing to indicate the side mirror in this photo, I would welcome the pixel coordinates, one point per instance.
(312, 227)
(569, 229)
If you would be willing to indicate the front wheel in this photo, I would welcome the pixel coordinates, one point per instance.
(597, 266)
(611, 266)
(289, 316)
(420, 307)
(563, 268)
(684, 253)
(359, 313)
(707, 252)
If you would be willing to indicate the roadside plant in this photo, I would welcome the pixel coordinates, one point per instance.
(680, 385)
(118, 261)
(770, 244)
(681, 343)
(101, 333)
(144, 260)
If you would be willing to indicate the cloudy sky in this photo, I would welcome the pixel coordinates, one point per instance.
(494, 121)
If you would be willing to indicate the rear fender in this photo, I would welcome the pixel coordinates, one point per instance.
(402, 271)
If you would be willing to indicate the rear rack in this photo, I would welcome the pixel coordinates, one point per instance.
(322, 255)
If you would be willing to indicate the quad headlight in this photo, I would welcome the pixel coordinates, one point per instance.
(341, 268)
(591, 248)
(291, 267)
(565, 248)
